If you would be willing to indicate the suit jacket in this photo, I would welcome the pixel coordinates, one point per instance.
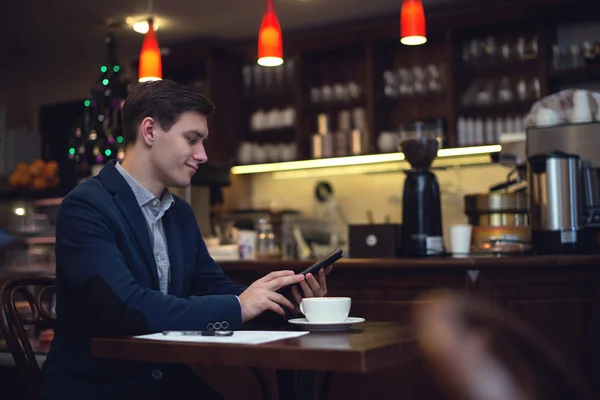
(107, 285)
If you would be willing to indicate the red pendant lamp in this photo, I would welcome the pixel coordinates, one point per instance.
(412, 23)
(150, 68)
(270, 44)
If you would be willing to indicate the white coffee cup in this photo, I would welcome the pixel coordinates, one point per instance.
(326, 309)
(581, 107)
(460, 239)
(546, 117)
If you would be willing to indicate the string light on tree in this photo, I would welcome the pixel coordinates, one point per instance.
(99, 136)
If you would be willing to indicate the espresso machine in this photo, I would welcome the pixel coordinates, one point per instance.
(421, 208)
(563, 172)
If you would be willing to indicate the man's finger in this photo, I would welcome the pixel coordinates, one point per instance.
(322, 283)
(328, 269)
(275, 274)
(282, 281)
(306, 289)
(314, 284)
(276, 308)
(297, 295)
(280, 299)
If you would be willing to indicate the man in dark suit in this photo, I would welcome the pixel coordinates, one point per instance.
(130, 259)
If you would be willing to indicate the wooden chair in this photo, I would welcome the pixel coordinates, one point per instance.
(480, 352)
(13, 323)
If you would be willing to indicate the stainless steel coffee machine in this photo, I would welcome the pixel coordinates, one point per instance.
(563, 173)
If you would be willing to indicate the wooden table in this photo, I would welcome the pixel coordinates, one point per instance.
(366, 348)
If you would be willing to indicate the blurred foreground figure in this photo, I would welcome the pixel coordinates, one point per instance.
(479, 352)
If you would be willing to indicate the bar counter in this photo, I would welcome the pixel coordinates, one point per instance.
(438, 263)
(558, 295)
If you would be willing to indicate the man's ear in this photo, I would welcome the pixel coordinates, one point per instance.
(148, 131)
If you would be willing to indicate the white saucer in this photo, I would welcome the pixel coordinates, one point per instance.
(327, 326)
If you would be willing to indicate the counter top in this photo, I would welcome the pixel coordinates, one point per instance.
(389, 264)
(424, 263)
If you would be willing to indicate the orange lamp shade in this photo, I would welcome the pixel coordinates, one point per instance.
(412, 23)
(150, 68)
(270, 43)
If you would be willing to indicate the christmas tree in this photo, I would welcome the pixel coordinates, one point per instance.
(99, 138)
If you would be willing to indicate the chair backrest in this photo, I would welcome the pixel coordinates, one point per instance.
(479, 351)
(32, 292)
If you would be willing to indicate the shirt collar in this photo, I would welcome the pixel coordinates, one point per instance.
(143, 195)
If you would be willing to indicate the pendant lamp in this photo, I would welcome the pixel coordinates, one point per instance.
(270, 45)
(412, 23)
(150, 68)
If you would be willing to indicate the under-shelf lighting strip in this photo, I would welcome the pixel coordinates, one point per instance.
(364, 160)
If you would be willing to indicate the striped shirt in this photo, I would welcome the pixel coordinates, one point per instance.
(153, 210)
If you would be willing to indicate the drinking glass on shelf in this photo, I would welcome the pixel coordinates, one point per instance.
(257, 77)
(354, 90)
(420, 83)
(315, 94)
(406, 87)
(520, 47)
(247, 77)
(505, 52)
(534, 90)
(505, 94)
(556, 57)
(532, 46)
(575, 54)
(521, 90)
(475, 51)
(491, 49)
(434, 74)
(485, 93)
(390, 80)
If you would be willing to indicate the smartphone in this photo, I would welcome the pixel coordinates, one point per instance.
(327, 261)
(313, 269)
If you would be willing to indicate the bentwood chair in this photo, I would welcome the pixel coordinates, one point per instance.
(35, 294)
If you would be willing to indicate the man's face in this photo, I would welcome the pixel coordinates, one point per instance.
(177, 152)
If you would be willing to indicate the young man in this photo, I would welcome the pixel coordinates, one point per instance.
(130, 259)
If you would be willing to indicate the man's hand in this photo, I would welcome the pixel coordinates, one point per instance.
(311, 286)
(261, 295)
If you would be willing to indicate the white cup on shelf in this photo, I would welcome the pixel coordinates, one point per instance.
(581, 112)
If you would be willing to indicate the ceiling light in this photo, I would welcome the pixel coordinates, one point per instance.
(140, 24)
(412, 23)
(270, 44)
(150, 66)
(142, 27)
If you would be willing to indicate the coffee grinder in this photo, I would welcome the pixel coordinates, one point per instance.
(421, 208)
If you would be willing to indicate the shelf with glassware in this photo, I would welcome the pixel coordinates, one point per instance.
(576, 63)
(269, 107)
(333, 119)
(498, 76)
(489, 75)
(411, 84)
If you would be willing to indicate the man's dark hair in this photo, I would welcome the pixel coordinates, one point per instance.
(163, 100)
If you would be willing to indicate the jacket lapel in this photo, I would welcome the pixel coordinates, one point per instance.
(173, 235)
(125, 200)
